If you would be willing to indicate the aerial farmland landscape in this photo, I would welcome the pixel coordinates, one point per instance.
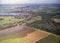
(29, 23)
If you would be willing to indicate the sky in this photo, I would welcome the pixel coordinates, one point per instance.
(27, 1)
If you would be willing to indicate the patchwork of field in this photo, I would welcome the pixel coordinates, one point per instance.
(27, 35)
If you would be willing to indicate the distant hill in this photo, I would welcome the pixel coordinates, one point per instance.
(27, 4)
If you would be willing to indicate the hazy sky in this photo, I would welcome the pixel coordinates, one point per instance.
(27, 1)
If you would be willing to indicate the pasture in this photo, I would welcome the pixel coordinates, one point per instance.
(9, 21)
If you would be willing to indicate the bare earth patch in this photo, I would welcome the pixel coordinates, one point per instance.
(33, 35)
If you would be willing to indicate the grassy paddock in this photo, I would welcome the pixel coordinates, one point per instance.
(14, 38)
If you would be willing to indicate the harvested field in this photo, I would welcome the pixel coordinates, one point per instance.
(23, 34)
(32, 34)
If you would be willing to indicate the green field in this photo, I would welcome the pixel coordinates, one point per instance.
(50, 39)
(9, 21)
(15, 38)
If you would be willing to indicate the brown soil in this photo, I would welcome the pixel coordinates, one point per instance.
(32, 34)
